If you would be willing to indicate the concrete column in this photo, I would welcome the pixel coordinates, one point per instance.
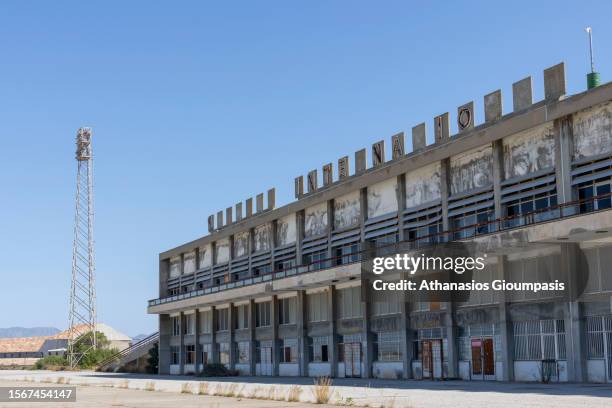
(275, 342)
(333, 335)
(563, 159)
(444, 193)
(363, 205)
(406, 338)
(505, 324)
(368, 338)
(214, 348)
(498, 176)
(299, 219)
(231, 317)
(165, 331)
(302, 332)
(252, 350)
(401, 205)
(182, 346)
(575, 339)
(198, 346)
(163, 278)
(451, 340)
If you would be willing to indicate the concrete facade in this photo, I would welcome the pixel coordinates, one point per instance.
(279, 293)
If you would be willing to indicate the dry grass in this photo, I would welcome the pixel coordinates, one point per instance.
(150, 386)
(322, 390)
(271, 393)
(186, 388)
(61, 380)
(203, 388)
(122, 384)
(294, 393)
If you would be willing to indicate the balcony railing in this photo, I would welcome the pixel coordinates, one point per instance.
(574, 208)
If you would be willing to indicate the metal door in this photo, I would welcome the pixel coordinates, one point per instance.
(352, 359)
(488, 357)
(266, 360)
(476, 358)
(426, 359)
(436, 356)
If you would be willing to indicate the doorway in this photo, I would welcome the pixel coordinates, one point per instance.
(483, 361)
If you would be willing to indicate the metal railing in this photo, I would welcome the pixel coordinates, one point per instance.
(548, 214)
(153, 338)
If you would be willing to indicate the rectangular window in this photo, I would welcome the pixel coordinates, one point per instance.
(287, 310)
(539, 340)
(242, 321)
(206, 322)
(176, 325)
(316, 260)
(222, 319)
(284, 265)
(389, 348)
(224, 353)
(175, 355)
(319, 349)
(190, 354)
(317, 307)
(349, 303)
(289, 351)
(262, 316)
(189, 324)
(346, 254)
(243, 352)
(206, 353)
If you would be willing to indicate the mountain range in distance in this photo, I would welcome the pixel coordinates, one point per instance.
(12, 332)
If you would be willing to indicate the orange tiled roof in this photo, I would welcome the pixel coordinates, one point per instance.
(23, 344)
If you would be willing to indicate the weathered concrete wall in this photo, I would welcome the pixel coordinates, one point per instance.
(529, 151)
(286, 230)
(241, 244)
(593, 131)
(315, 220)
(263, 237)
(347, 210)
(175, 267)
(423, 185)
(222, 250)
(205, 256)
(189, 262)
(382, 198)
(472, 169)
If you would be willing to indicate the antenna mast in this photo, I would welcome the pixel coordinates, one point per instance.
(82, 316)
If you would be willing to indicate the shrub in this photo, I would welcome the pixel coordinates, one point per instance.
(322, 390)
(217, 370)
(51, 363)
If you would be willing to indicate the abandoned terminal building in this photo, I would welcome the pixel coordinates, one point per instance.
(276, 291)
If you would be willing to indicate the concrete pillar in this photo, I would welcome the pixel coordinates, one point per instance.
(330, 227)
(563, 130)
(198, 346)
(182, 346)
(165, 331)
(231, 317)
(401, 205)
(406, 338)
(368, 338)
(252, 350)
(299, 219)
(275, 342)
(164, 274)
(505, 324)
(333, 334)
(498, 176)
(444, 193)
(575, 339)
(302, 332)
(363, 205)
(214, 347)
(451, 340)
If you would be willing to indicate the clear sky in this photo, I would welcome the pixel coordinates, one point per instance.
(198, 105)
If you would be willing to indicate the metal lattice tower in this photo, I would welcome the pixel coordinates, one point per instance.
(82, 316)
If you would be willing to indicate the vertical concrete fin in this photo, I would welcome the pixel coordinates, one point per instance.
(238, 211)
(360, 161)
(271, 198)
(343, 168)
(220, 219)
(313, 181)
(441, 128)
(259, 203)
(378, 153)
(211, 223)
(493, 106)
(522, 94)
(554, 82)
(328, 174)
(398, 146)
(299, 187)
(228, 215)
(419, 137)
(249, 207)
(465, 117)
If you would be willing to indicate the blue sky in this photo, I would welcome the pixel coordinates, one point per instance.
(198, 105)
